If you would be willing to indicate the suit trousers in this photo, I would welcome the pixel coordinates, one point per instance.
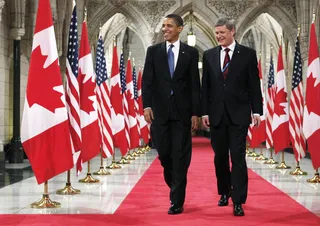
(173, 140)
(228, 137)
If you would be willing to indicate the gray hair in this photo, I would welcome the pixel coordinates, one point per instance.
(230, 23)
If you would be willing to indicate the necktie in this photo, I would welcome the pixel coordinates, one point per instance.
(226, 63)
(171, 60)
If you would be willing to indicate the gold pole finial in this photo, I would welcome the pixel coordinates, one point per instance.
(299, 29)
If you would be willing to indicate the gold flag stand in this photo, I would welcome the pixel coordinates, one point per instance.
(129, 156)
(271, 161)
(261, 157)
(253, 153)
(89, 178)
(114, 164)
(298, 171)
(315, 179)
(45, 202)
(101, 171)
(135, 153)
(123, 161)
(68, 189)
(283, 164)
(247, 149)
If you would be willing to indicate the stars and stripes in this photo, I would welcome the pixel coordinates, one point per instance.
(270, 105)
(72, 85)
(103, 97)
(124, 100)
(296, 107)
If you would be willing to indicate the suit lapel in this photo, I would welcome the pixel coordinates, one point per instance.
(215, 62)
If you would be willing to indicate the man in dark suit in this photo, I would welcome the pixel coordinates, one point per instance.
(230, 92)
(171, 101)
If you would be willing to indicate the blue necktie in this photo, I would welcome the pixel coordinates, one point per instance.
(171, 60)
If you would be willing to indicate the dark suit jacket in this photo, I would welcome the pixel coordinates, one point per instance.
(238, 94)
(185, 84)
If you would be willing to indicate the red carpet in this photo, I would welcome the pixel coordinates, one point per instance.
(148, 202)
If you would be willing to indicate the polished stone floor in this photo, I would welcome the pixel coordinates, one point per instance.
(18, 187)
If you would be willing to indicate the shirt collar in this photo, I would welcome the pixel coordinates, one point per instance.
(176, 44)
(231, 47)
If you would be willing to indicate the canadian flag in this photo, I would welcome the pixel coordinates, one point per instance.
(90, 130)
(280, 123)
(144, 129)
(133, 126)
(117, 113)
(45, 131)
(311, 120)
(258, 135)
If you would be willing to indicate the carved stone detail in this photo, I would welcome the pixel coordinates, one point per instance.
(1, 7)
(231, 8)
(153, 11)
(17, 18)
(118, 3)
(94, 6)
(289, 7)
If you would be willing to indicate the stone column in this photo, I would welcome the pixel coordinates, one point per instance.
(17, 30)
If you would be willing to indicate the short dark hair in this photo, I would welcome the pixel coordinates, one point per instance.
(230, 23)
(176, 18)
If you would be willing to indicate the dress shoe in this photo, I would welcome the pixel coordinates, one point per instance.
(237, 210)
(224, 200)
(175, 209)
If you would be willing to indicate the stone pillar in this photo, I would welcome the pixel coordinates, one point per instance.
(2, 156)
(17, 30)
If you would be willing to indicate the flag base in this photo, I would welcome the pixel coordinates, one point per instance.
(114, 165)
(102, 172)
(271, 161)
(283, 165)
(253, 154)
(261, 158)
(129, 157)
(298, 171)
(68, 190)
(315, 179)
(141, 151)
(45, 202)
(89, 179)
(123, 161)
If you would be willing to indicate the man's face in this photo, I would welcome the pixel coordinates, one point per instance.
(224, 36)
(170, 30)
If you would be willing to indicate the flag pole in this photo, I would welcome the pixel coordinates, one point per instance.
(101, 171)
(114, 164)
(283, 164)
(45, 202)
(68, 189)
(261, 157)
(271, 161)
(89, 178)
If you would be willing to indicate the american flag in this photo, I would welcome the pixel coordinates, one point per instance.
(270, 105)
(296, 107)
(104, 104)
(72, 86)
(125, 102)
(135, 92)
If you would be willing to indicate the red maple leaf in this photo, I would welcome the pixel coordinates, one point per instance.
(86, 90)
(116, 99)
(281, 98)
(41, 82)
(313, 95)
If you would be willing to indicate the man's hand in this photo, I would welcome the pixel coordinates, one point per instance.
(256, 120)
(194, 123)
(148, 115)
(205, 122)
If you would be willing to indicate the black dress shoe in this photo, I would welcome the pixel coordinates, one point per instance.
(224, 200)
(175, 209)
(237, 210)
